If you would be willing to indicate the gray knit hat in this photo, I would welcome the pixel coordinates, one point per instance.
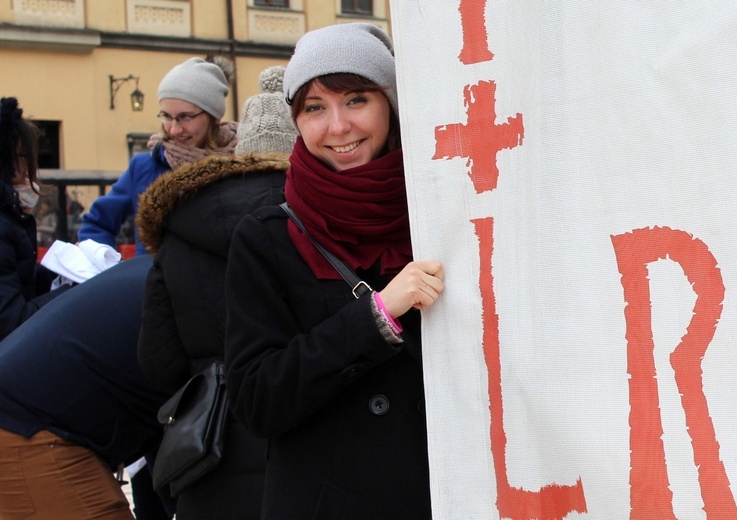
(356, 48)
(199, 82)
(266, 124)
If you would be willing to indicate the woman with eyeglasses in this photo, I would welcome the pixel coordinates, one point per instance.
(191, 105)
(186, 219)
(24, 285)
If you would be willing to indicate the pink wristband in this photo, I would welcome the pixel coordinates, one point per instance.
(396, 327)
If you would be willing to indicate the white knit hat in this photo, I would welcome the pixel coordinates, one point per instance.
(266, 123)
(199, 82)
(356, 48)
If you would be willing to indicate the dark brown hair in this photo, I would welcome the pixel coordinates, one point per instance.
(18, 138)
(344, 82)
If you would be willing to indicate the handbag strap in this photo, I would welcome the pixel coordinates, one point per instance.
(358, 286)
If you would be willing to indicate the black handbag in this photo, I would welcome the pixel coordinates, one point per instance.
(194, 424)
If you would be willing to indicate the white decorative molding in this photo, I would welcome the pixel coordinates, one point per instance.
(50, 13)
(276, 27)
(48, 39)
(160, 17)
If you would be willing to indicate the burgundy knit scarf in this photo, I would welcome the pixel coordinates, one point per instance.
(359, 214)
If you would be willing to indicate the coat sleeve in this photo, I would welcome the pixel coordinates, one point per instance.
(16, 304)
(13, 304)
(286, 356)
(161, 353)
(108, 213)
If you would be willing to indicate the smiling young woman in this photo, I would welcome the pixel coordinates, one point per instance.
(344, 129)
(182, 123)
(335, 381)
(343, 113)
(191, 105)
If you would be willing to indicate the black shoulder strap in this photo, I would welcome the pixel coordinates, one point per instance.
(358, 286)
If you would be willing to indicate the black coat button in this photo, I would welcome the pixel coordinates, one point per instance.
(379, 404)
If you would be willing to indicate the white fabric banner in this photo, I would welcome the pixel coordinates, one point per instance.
(573, 164)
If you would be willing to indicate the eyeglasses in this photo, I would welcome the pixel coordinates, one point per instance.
(182, 119)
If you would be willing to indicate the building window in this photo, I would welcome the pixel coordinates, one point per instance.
(363, 7)
(271, 3)
(48, 143)
(137, 143)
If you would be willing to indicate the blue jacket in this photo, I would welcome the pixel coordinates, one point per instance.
(72, 369)
(109, 212)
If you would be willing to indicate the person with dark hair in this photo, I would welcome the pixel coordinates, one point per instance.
(74, 404)
(186, 218)
(334, 380)
(191, 106)
(24, 285)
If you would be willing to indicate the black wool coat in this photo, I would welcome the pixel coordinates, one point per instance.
(308, 367)
(186, 218)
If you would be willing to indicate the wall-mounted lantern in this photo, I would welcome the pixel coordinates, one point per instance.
(136, 95)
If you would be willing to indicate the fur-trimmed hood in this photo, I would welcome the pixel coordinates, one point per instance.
(171, 190)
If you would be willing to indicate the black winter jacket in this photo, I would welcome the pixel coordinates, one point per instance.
(186, 218)
(308, 367)
(24, 285)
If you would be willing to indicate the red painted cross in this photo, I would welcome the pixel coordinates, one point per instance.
(481, 138)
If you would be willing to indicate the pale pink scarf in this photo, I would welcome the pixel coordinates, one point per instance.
(177, 154)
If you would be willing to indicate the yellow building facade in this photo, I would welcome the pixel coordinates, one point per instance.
(67, 62)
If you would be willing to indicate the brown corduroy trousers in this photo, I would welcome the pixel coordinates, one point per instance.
(46, 477)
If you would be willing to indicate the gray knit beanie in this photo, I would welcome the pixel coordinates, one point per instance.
(356, 48)
(266, 124)
(199, 82)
